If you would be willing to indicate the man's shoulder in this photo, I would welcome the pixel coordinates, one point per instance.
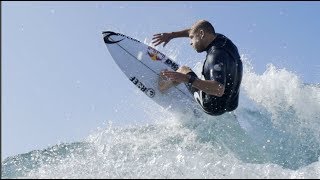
(216, 52)
(224, 46)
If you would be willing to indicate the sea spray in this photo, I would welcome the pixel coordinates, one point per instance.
(274, 133)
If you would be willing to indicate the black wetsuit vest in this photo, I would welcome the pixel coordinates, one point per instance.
(222, 64)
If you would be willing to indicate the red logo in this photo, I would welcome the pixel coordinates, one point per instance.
(155, 55)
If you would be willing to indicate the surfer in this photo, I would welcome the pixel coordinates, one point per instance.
(217, 90)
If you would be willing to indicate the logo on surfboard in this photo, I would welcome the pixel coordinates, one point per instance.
(154, 54)
(148, 91)
(158, 56)
(109, 40)
(171, 64)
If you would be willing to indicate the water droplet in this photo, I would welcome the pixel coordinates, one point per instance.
(140, 55)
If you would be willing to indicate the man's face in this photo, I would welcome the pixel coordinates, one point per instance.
(196, 41)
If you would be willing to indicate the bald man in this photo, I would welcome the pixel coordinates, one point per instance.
(217, 90)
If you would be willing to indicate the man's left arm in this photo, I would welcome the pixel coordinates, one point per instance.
(216, 71)
(210, 87)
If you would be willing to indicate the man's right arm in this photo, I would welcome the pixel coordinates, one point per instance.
(183, 33)
(166, 37)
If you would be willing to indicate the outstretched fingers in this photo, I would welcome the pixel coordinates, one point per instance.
(160, 38)
(156, 43)
(157, 36)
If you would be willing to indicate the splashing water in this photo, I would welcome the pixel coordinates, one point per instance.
(275, 134)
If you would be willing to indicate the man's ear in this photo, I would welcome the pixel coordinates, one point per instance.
(201, 33)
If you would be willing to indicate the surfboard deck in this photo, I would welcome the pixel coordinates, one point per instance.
(142, 65)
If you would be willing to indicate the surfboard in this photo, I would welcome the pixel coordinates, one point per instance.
(142, 65)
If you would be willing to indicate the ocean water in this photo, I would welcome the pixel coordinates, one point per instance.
(274, 133)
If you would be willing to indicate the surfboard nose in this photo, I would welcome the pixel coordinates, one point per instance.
(107, 37)
(107, 32)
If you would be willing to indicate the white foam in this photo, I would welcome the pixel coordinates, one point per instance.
(181, 146)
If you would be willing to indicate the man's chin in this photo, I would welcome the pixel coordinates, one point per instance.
(199, 51)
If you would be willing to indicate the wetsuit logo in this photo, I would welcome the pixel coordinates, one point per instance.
(154, 54)
(218, 67)
(148, 91)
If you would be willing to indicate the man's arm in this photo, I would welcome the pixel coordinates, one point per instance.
(211, 87)
(183, 33)
(166, 37)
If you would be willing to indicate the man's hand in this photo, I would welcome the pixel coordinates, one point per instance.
(176, 77)
(162, 38)
(173, 78)
(164, 83)
(184, 70)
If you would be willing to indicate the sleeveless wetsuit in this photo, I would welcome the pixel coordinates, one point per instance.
(222, 64)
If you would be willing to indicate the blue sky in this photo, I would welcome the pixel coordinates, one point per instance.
(59, 82)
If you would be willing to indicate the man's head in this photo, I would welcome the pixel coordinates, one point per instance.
(201, 34)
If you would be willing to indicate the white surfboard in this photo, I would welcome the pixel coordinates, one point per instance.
(142, 65)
